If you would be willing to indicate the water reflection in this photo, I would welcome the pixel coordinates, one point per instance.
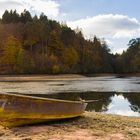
(121, 106)
(126, 104)
(134, 100)
(107, 88)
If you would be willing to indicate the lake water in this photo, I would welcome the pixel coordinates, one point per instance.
(116, 95)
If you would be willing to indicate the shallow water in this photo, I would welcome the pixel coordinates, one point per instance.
(126, 104)
(118, 95)
(108, 83)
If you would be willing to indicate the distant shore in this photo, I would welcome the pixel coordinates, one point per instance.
(88, 127)
(28, 78)
(46, 77)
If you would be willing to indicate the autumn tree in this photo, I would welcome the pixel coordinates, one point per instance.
(25, 16)
(40, 45)
(10, 54)
(55, 45)
(70, 59)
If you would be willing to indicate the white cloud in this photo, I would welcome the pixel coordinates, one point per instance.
(111, 27)
(109, 42)
(48, 7)
(10, 4)
(116, 26)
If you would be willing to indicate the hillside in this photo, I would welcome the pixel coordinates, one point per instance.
(38, 45)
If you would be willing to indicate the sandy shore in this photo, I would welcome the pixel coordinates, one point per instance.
(59, 77)
(91, 126)
(30, 78)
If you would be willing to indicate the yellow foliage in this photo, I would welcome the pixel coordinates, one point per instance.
(70, 57)
(56, 69)
(11, 50)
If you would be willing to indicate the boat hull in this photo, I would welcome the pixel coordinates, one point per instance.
(20, 110)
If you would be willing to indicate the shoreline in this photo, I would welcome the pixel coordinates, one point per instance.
(46, 77)
(90, 126)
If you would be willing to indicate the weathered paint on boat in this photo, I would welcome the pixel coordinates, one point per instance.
(18, 110)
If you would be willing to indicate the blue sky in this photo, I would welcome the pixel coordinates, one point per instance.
(83, 8)
(117, 21)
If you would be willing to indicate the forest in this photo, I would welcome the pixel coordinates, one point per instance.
(38, 45)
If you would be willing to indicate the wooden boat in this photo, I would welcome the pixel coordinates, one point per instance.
(18, 109)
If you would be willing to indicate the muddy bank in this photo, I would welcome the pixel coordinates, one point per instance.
(91, 126)
(59, 77)
(38, 78)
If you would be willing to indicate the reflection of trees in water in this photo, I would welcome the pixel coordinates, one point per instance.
(101, 105)
(134, 99)
(103, 97)
(63, 96)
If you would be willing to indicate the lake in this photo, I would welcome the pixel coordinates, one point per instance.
(116, 95)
